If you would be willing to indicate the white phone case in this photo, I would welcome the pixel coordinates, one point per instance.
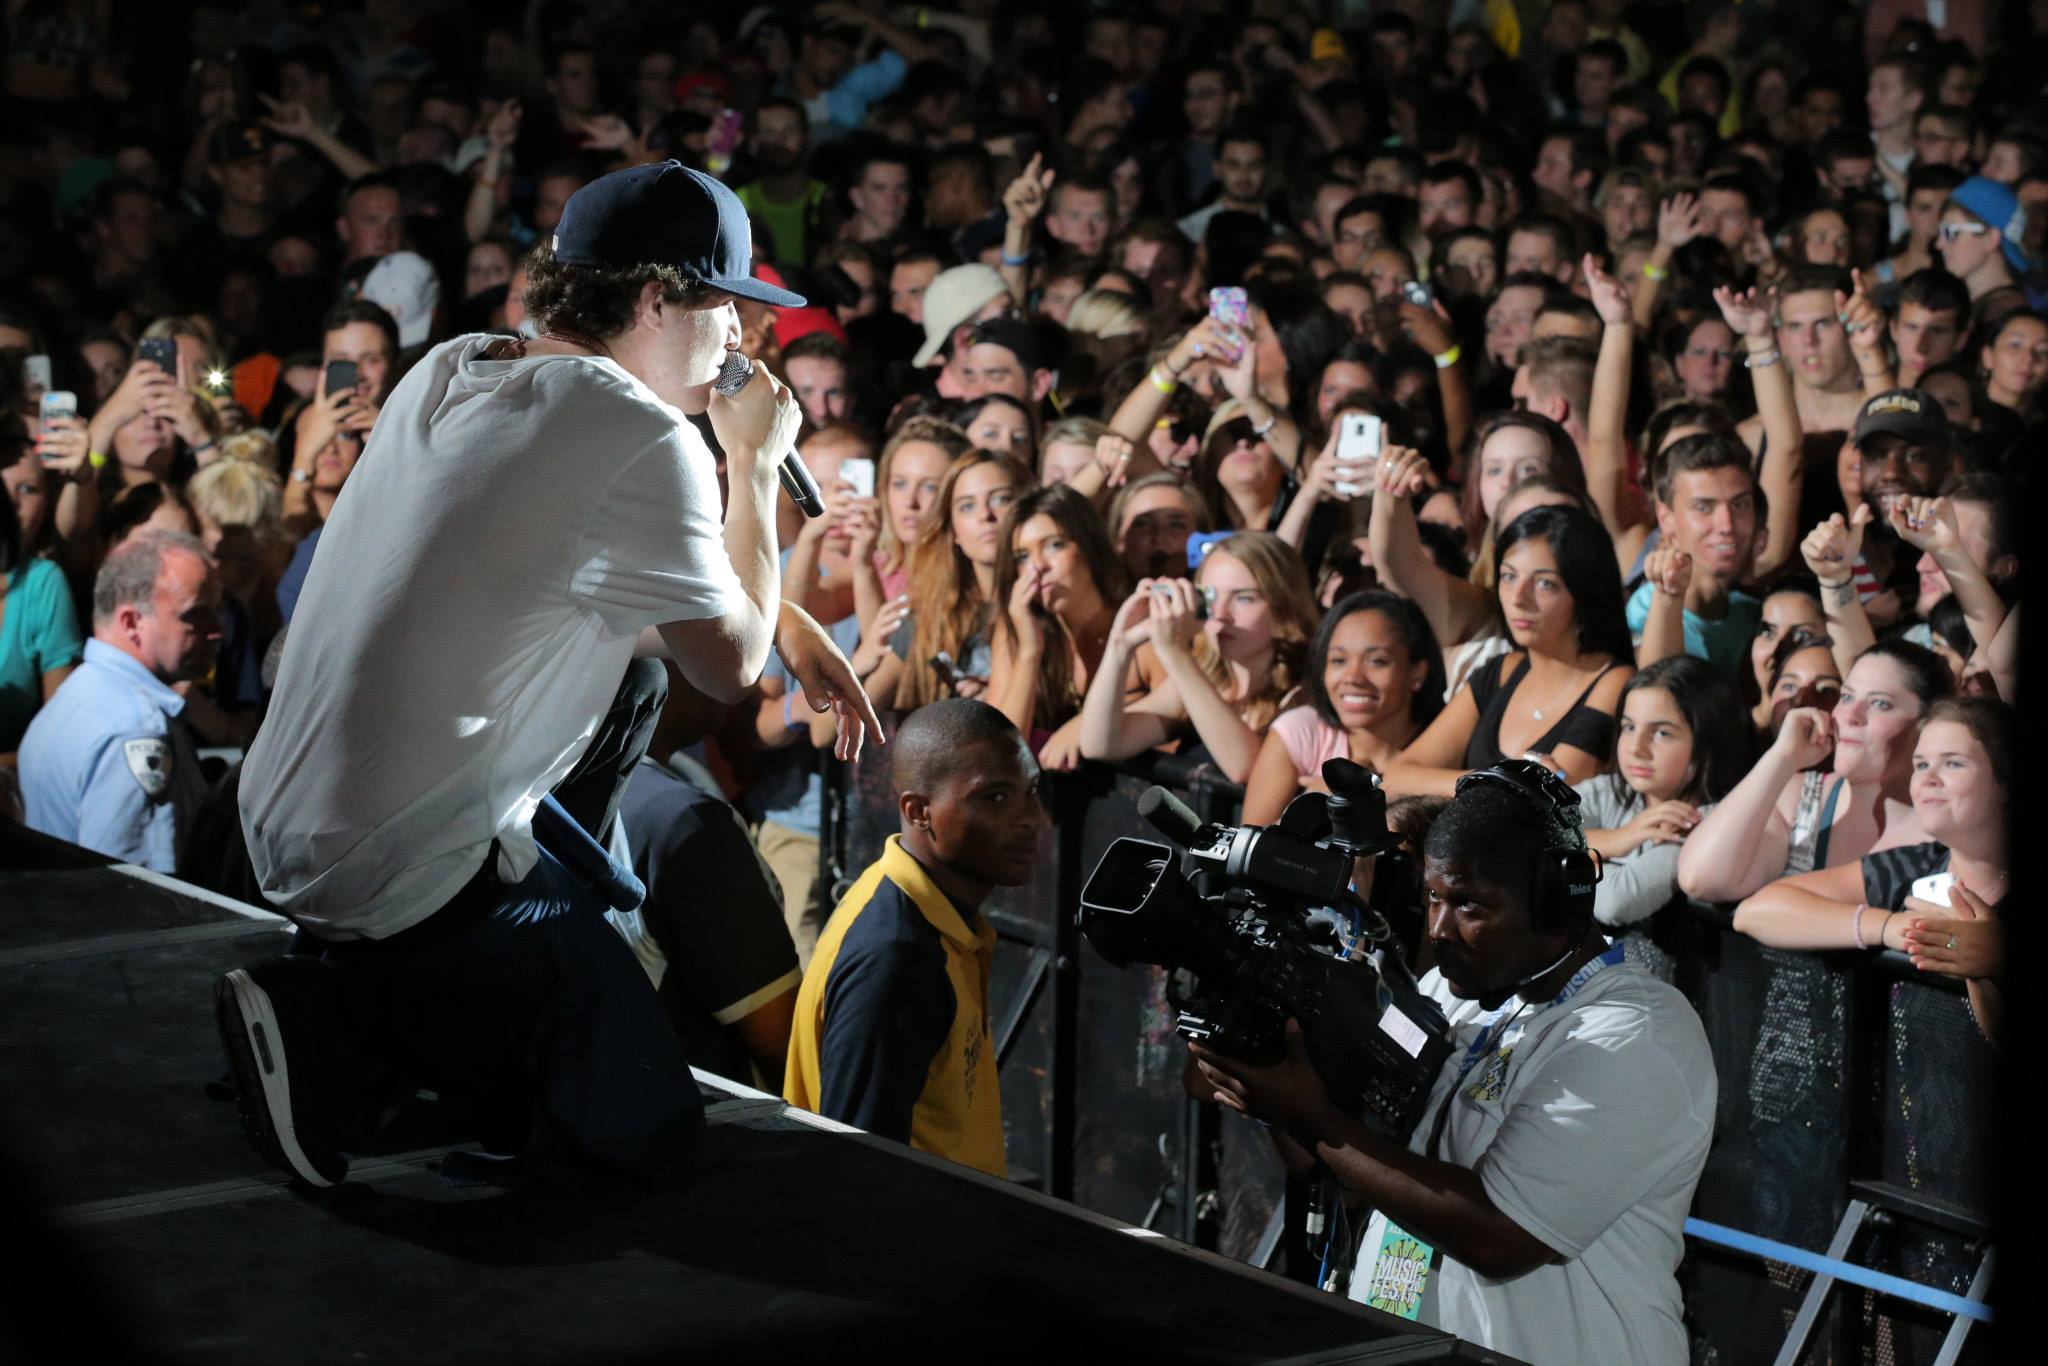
(860, 474)
(1358, 440)
(1934, 887)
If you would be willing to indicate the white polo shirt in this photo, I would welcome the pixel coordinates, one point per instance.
(1588, 1124)
(511, 528)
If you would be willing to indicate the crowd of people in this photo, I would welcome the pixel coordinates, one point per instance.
(1642, 390)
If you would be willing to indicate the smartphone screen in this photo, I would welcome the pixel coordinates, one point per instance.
(36, 375)
(161, 352)
(341, 374)
(860, 474)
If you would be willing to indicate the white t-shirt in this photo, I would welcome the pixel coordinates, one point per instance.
(511, 528)
(1588, 1124)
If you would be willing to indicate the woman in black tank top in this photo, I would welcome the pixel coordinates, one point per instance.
(1559, 599)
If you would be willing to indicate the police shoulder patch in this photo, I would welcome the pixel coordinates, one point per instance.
(149, 760)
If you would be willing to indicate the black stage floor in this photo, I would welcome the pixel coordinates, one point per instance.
(139, 1224)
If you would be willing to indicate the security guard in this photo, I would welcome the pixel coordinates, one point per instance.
(892, 1031)
(106, 763)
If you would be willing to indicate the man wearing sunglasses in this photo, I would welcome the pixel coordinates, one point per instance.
(1979, 240)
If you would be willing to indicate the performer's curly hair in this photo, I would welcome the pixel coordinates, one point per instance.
(598, 301)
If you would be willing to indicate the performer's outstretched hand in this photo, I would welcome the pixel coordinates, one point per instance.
(827, 679)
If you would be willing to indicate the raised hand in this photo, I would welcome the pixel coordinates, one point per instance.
(1862, 319)
(1403, 473)
(286, 119)
(1611, 297)
(874, 640)
(1747, 313)
(1133, 624)
(1237, 375)
(1113, 453)
(607, 132)
(1023, 600)
(1806, 736)
(1669, 570)
(1174, 622)
(61, 445)
(1025, 199)
(1830, 549)
(863, 525)
(503, 129)
(1429, 327)
(1927, 524)
(1331, 477)
(1206, 340)
(1678, 220)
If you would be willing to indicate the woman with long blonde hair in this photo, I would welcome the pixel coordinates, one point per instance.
(1227, 676)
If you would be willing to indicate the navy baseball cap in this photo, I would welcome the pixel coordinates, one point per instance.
(665, 214)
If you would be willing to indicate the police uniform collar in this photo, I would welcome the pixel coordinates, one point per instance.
(130, 668)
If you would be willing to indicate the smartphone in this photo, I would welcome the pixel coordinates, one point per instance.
(1934, 887)
(1360, 437)
(59, 403)
(1229, 306)
(36, 376)
(1205, 600)
(1418, 293)
(161, 352)
(342, 374)
(943, 666)
(860, 474)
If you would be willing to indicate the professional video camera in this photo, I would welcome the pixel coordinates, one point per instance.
(1241, 924)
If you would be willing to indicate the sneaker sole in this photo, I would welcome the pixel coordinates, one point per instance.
(249, 1029)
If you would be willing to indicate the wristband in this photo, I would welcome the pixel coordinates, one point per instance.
(1651, 272)
(96, 460)
(1010, 260)
(1760, 360)
(1450, 357)
(1262, 428)
(1856, 925)
(1165, 384)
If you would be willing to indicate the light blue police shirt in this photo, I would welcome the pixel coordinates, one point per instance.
(107, 765)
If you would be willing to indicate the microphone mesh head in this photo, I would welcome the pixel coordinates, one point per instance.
(734, 374)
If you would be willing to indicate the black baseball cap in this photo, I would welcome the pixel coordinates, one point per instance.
(1015, 335)
(665, 214)
(1912, 414)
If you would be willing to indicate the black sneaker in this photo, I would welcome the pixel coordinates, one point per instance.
(282, 1085)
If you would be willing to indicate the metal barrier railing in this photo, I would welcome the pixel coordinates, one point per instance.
(1836, 1070)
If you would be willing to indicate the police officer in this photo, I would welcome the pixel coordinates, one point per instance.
(107, 763)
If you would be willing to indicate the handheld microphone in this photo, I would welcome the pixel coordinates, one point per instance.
(1169, 815)
(796, 480)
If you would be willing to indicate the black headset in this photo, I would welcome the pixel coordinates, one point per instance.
(1561, 887)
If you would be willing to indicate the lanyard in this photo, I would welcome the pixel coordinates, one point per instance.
(1490, 1036)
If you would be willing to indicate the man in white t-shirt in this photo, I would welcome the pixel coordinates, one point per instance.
(1539, 1207)
(526, 518)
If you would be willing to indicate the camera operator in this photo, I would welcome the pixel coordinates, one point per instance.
(1539, 1206)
